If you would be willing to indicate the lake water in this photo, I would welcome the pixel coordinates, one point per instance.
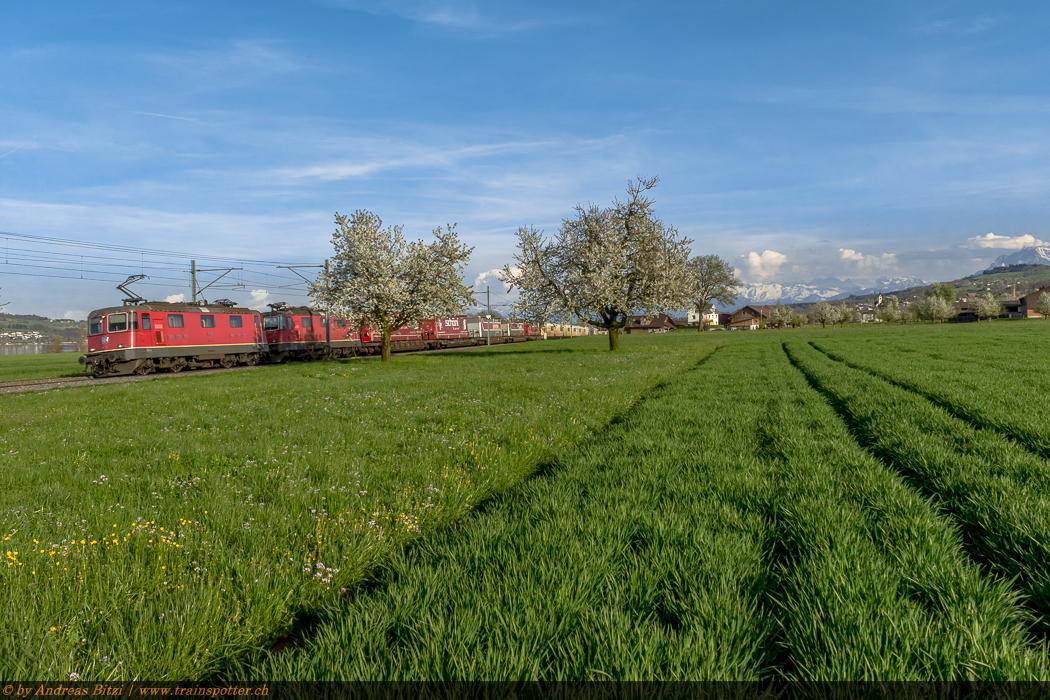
(33, 348)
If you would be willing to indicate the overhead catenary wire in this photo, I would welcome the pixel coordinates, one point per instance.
(49, 257)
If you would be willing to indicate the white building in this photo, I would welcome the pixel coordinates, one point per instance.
(711, 317)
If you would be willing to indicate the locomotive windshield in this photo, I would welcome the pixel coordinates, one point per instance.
(118, 323)
(272, 323)
(95, 327)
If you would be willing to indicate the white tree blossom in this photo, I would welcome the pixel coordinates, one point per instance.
(889, 309)
(988, 306)
(1043, 305)
(824, 313)
(602, 266)
(841, 314)
(376, 277)
(935, 308)
(781, 315)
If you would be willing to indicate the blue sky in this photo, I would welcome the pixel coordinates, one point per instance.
(797, 140)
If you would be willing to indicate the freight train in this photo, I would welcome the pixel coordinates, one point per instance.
(155, 336)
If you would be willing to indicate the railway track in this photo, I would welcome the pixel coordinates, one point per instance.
(67, 382)
(24, 385)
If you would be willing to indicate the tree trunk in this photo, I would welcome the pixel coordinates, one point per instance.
(386, 345)
(614, 339)
(703, 326)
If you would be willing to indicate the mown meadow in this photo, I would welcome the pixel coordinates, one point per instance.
(797, 504)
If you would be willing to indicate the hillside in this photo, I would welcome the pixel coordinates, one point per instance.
(15, 328)
(1008, 282)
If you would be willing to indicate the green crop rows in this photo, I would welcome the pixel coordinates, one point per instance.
(752, 506)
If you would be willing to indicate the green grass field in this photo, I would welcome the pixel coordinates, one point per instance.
(46, 366)
(774, 504)
(157, 529)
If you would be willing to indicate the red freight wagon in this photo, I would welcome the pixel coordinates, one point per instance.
(144, 338)
(401, 340)
(451, 328)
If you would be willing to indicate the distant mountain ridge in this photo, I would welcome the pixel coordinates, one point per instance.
(827, 289)
(1033, 255)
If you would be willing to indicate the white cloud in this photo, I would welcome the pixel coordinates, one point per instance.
(492, 279)
(990, 240)
(868, 262)
(260, 297)
(764, 266)
(75, 315)
(175, 298)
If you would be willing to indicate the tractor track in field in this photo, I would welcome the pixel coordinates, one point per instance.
(976, 530)
(1027, 442)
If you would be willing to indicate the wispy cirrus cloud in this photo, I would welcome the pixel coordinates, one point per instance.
(463, 15)
(166, 116)
(20, 146)
(225, 64)
(959, 27)
(403, 155)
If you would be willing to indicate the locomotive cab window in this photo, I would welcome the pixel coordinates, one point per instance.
(236, 322)
(324, 322)
(341, 323)
(117, 323)
(207, 321)
(175, 321)
(308, 322)
(145, 322)
(95, 327)
(272, 323)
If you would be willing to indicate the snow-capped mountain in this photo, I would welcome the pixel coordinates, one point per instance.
(1035, 255)
(819, 290)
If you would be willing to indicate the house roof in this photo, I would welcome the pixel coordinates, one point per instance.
(655, 321)
(758, 310)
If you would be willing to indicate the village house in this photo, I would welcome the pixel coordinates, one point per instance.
(660, 323)
(750, 317)
(709, 317)
(1030, 301)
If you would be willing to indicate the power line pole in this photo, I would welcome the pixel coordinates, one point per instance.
(488, 307)
(327, 316)
(193, 279)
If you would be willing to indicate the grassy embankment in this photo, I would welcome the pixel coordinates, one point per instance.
(156, 529)
(46, 366)
(726, 527)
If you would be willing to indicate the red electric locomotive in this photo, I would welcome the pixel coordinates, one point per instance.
(139, 338)
(300, 333)
(143, 338)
